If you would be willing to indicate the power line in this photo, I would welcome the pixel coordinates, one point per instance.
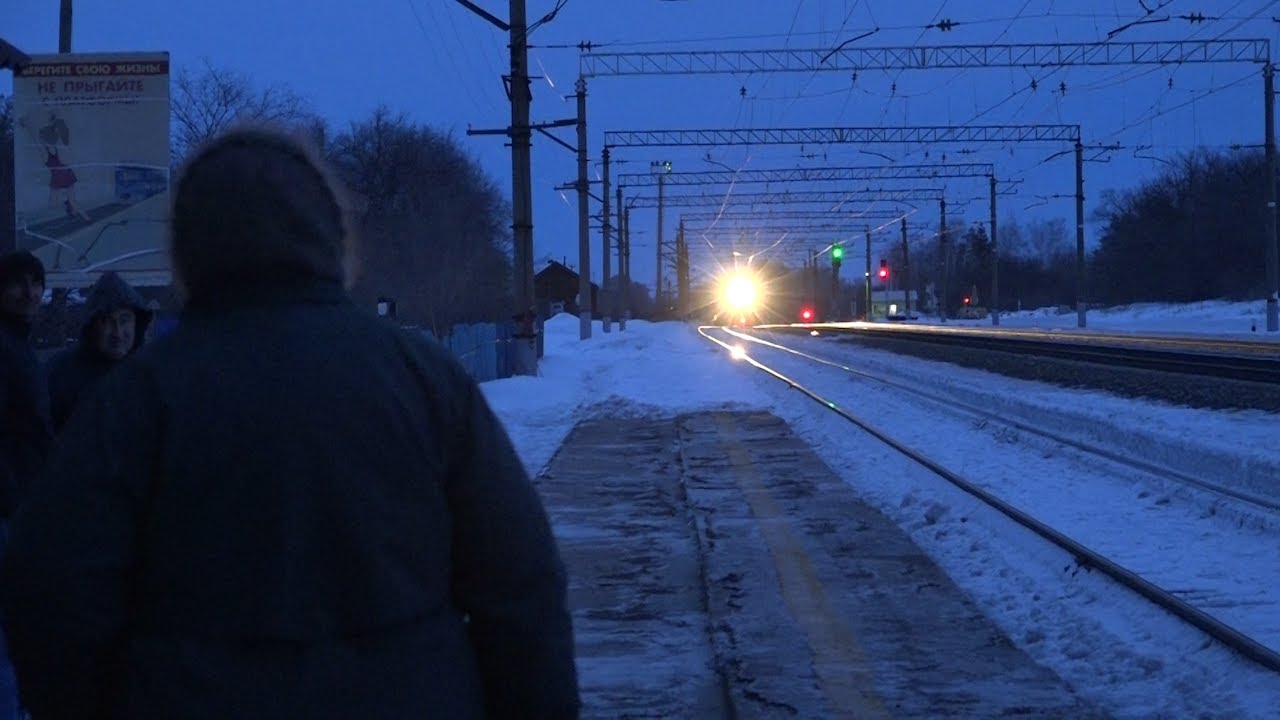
(426, 36)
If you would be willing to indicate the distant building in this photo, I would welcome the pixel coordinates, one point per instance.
(555, 287)
(892, 302)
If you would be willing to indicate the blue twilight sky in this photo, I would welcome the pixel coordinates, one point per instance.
(441, 64)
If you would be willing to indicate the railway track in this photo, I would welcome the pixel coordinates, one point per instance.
(1271, 504)
(1231, 637)
(1200, 357)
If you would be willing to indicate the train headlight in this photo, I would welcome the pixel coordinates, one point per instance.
(740, 293)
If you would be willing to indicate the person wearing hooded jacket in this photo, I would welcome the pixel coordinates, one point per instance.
(116, 326)
(25, 433)
(287, 507)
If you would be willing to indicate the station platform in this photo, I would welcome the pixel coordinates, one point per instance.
(719, 569)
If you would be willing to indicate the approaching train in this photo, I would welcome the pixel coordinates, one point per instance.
(742, 299)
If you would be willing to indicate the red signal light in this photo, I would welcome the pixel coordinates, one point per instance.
(806, 314)
(966, 300)
(884, 273)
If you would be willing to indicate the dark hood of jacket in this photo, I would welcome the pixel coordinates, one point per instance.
(110, 293)
(74, 371)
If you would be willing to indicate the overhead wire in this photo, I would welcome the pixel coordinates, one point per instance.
(1157, 109)
(1123, 77)
(432, 43)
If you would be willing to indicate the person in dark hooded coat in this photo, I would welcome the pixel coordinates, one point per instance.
(25, 433)
(116, 326)
(287, 507)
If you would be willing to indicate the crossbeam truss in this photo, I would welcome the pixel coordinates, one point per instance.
(799, 197)
(782, 215)
(819, 174)
(794, 230)
(925, 134)
(854, 59)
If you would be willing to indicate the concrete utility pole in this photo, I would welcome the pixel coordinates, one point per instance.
(520, 131)
(1273, 242)
(995, 260)
(626, 264)
(810, 282)
(682, 274)
(607, 309)
(657, 282)
(521, 159)
(946, 261)
(623, 283)
(870, 314)
(521, 162)
(584, 219)
(64, 27)
(1081, 307)
(906, 271)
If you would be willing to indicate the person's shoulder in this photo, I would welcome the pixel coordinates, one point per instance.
(425, 347)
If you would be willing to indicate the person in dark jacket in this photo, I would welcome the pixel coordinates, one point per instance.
(24, 399)
(115, 326)
(24, 412)
(285, 508)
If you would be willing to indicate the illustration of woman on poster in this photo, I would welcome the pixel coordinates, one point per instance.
(56, 137)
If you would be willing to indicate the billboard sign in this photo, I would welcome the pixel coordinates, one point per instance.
(91, 164)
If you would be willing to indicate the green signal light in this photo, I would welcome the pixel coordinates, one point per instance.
(837, 253)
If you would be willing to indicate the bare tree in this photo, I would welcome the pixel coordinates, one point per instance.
(210, 99)
(434, 227)
(8, 231)
(1047, 241)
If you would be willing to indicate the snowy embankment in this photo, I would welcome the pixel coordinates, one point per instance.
(1240, 320)
(1111, 645)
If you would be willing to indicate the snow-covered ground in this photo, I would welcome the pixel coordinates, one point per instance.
(1227, 568)
(1111, 645)
(1244, 320)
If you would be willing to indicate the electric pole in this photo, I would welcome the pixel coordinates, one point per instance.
(584, 218)
(1273, 249)
(870, 314)
(657, 283)
(520, 132)
(813, 283)
(995, 260)
(626, 264)
(623, 284)
(906, 271)
(682, 273)
(521, 162)
(1080, 289)
(607, 309)
(64, 27)
(946, 264)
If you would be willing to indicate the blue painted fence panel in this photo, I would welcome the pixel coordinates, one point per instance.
(483, 349)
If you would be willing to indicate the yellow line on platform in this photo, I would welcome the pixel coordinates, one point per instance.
(838, 660)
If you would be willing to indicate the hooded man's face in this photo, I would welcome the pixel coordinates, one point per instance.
(21, 297)
(113, 333)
